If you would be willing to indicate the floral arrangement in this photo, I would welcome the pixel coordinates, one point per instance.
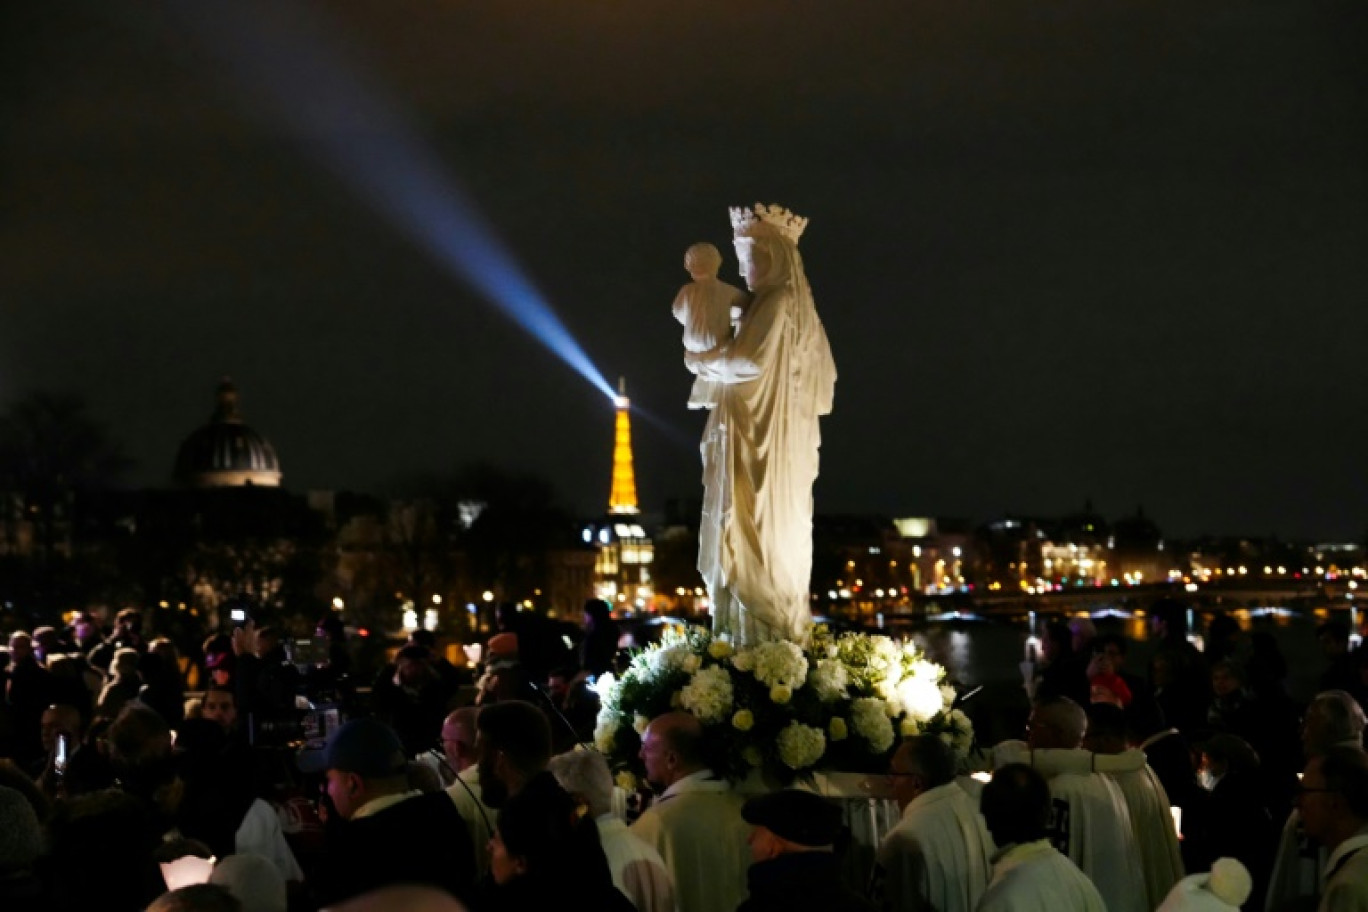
(839, 704)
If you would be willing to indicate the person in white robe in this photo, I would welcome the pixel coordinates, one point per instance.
(1090, 820)
(1156, 835)
(695, 824)
(1029, 873)
(938, 857)
(760, 445)
(637, 868)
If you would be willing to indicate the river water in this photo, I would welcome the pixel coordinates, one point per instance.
(988, 654)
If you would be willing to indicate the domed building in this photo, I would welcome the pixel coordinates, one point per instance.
(226, 453)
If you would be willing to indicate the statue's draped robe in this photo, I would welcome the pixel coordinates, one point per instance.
(760, 457)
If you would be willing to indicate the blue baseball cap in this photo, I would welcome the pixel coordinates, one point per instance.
(368, 748)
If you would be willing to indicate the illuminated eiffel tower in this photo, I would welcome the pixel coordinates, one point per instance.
(622, 499)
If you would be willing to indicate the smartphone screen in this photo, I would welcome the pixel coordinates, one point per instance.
(59, 759)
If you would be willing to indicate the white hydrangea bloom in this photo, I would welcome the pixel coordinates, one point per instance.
(744, 660)
(870, 718)
(605, 733)
(829, 680)
(670, 658)
(709, 695)
(800, 746)
(780, 662)
(920, 697)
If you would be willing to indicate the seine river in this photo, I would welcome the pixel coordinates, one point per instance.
(988, 653)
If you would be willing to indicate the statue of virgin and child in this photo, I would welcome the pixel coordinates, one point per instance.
(764, 369)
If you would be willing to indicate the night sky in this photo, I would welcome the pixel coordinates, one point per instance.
(1062, 250)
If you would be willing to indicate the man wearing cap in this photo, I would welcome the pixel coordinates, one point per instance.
(793, 853)
(386, 834)
(695, 823)
(938, 856)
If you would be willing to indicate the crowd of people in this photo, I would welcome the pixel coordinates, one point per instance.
(1197, 783)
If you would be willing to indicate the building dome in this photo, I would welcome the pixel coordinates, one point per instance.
(226, 452)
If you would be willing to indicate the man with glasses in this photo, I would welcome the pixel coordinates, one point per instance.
(1333, 719)
(939, 854)
(1333, 801)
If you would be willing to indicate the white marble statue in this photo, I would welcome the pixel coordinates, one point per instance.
(708, 308)
(760, 446)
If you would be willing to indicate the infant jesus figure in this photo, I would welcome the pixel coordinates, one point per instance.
(709, 310)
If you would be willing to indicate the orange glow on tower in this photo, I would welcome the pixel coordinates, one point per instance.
(623, 497)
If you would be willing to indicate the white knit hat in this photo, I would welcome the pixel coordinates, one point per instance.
(1223, 890)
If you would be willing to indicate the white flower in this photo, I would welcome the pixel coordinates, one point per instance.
(606, 686)
(948, 695)
(780, 662)
(800, 746)
(670, 658)
(640, 723)
(626, 781)
(871, 722)
(743, 720)
(925, 670)
(709, 695)
(691, 663)
(720, 649)
(605, 733)
(744, 660)
(963, 732)
(780, 694)
(829, 680)
(920, 697)
(909, 728)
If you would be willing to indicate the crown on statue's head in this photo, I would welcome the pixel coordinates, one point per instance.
(746, 222)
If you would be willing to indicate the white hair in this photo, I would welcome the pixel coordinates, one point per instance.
(1344, 719)
(585, 774)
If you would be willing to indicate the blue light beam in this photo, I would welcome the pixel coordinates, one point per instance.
(284, 61)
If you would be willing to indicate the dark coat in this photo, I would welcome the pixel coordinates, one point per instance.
(420, 840)
(801, 882)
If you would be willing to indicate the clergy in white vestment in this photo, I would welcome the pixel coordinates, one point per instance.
(939, 855)
(637, 868)
(695, 823)
(1156, 836)
(1029, 874)
(1090, 821)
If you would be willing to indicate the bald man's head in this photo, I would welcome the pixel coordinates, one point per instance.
(672, 748)
(459, 737)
